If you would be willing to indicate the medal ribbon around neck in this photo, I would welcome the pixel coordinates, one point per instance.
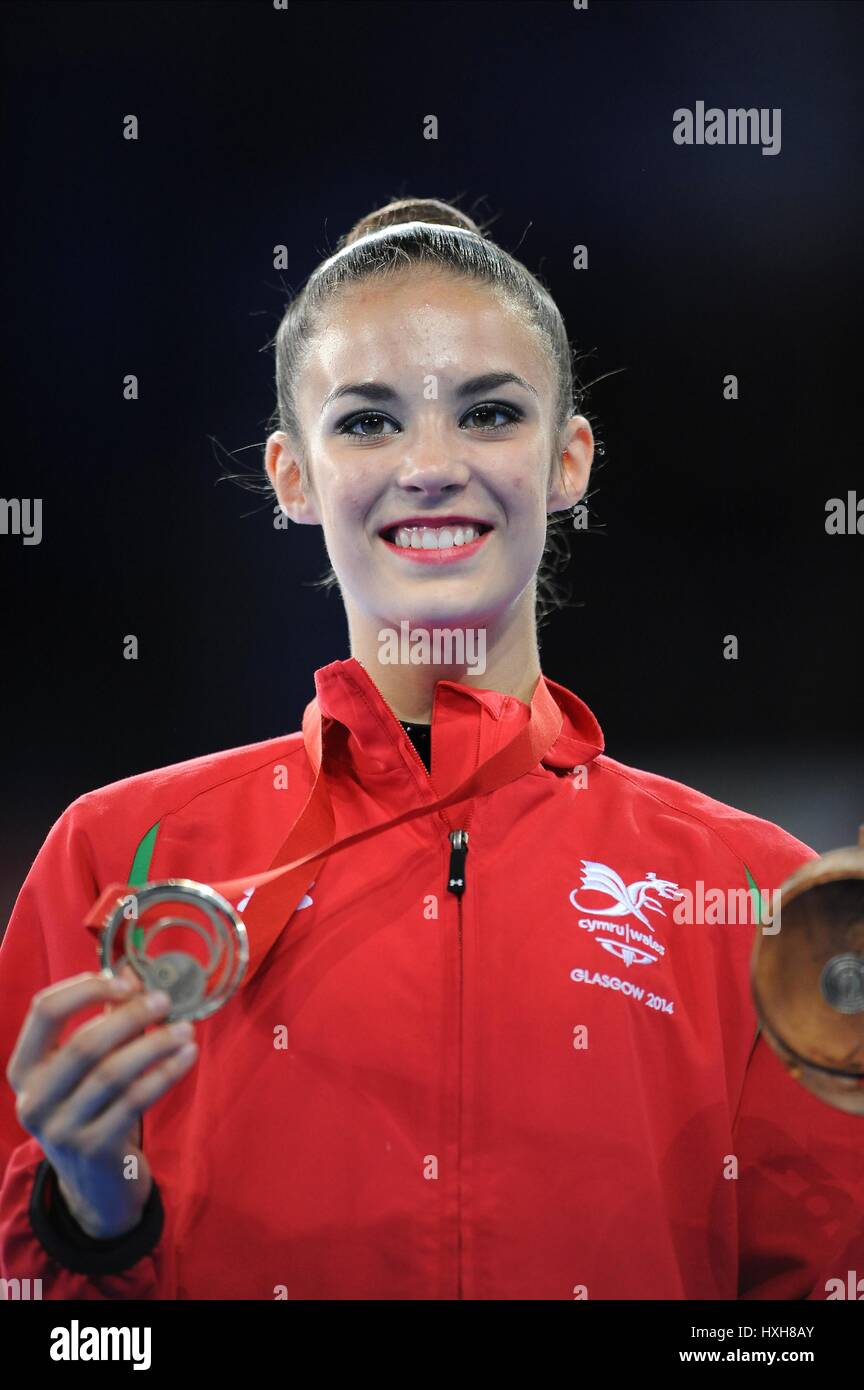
(280, 888)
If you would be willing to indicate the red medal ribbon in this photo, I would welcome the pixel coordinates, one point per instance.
(280, 888)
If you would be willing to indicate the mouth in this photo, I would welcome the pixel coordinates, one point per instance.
(437, 541)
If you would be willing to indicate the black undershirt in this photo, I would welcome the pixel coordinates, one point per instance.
(421, 736)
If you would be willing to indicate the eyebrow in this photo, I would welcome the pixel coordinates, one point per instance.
(475, 385)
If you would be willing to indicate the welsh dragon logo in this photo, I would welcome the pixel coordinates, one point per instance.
(629, 899)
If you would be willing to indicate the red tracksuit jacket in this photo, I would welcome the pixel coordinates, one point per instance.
(543, 1089)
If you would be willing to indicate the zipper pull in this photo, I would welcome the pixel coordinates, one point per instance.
(458, 851)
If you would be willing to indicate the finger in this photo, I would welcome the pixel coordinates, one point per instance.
(49, 1084)
(49, 1012)
(136, 986)
(120, 1070)
(113, 1124)
(127, 973)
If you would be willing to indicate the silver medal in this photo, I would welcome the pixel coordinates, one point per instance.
(198, 979)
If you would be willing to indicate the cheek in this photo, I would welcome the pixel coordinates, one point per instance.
(528, 494)
(528, 479)
(344, 496)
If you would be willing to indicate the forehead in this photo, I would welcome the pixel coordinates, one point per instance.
(423, 324)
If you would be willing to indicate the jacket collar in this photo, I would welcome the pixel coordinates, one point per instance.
(468, 724)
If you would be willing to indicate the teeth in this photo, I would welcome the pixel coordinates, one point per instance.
(429, 538)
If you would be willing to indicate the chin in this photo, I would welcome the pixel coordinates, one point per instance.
(444, 613)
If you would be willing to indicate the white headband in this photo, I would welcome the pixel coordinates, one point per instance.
(380, 232)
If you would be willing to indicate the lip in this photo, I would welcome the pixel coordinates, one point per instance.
(435, 522)
(448, 556)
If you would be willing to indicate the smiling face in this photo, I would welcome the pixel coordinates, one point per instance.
(427, 410)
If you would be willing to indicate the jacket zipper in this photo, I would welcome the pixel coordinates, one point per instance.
(456, 883)
(456, 880)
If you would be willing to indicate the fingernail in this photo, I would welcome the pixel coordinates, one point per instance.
(119, 986)
(158, 1001)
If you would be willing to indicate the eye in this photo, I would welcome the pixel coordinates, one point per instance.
(512, 416)
(347, 426)
(512, 413)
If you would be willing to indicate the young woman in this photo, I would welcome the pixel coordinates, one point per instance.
(484, 1056)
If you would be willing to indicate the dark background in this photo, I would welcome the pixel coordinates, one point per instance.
(260, 127)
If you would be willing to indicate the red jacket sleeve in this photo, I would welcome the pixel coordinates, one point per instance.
(45, 942)
(800, 1162)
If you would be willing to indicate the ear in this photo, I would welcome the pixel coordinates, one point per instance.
(577, 455)
(283, 470)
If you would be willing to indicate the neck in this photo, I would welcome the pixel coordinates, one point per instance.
(501, 656)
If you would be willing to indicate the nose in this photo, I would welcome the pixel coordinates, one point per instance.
(433, 467)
